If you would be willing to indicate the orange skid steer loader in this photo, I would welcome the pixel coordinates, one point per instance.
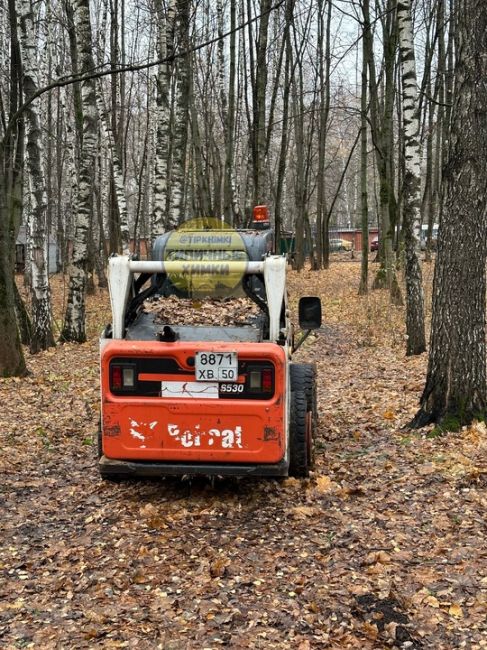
(207, 399)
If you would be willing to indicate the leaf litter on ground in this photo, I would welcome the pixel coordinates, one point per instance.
(383, 546)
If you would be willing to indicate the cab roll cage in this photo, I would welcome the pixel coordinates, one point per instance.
(121, 269)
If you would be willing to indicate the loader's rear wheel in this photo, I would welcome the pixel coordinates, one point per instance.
(303, 377)
(300, 438)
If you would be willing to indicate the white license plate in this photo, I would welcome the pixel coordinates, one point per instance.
(216, 366)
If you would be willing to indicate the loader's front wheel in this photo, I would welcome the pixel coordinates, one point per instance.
(300, 434)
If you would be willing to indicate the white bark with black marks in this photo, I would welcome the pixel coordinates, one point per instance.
(411, 190)
(181, 116)
(158, 212)
(117, 170)
(74, 325)
(42, 336)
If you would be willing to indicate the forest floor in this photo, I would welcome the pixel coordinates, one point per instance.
(384, 546)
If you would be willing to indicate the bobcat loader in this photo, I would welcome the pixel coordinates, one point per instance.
(206, 399)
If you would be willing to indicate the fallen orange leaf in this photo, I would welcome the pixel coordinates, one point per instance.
(456, 611)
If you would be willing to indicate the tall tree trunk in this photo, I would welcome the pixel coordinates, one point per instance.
(12, 360)
(164, 23)
(117, 174)
(181, 116)
(299, 150)
(302, 142)
(229, 123)
(259, 106)
(440, 142)
(324, 63)
(74, 325)
(41, 336)
(364, 203)
(381, 129)
(411, 187)
(281, 168)
(456, 385)
(202, 196)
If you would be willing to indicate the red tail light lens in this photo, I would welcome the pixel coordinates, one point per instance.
(117, 378)
(267, 380)
(123, 377)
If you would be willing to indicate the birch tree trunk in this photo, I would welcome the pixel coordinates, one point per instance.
(41, 336)
(74, 325)
(117, 171)
(411, 187)
(181, 116)
(164, 20)
(456, 385)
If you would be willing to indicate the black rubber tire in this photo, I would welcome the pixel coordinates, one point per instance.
(303, 377)
(299, 436)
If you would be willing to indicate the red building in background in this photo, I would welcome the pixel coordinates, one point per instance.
(353, 235)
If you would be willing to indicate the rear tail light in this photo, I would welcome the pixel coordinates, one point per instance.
(267, 380)
(260, 381)
(123, 378)
(117, 378)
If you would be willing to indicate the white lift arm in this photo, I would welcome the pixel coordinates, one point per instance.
(121, 268)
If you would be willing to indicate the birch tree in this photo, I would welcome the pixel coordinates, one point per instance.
(164, 22)
(41, 336)
(117, 171)
(411, 187)
(74, 325)
(178, 157)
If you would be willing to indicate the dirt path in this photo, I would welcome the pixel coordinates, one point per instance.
(384, 546)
